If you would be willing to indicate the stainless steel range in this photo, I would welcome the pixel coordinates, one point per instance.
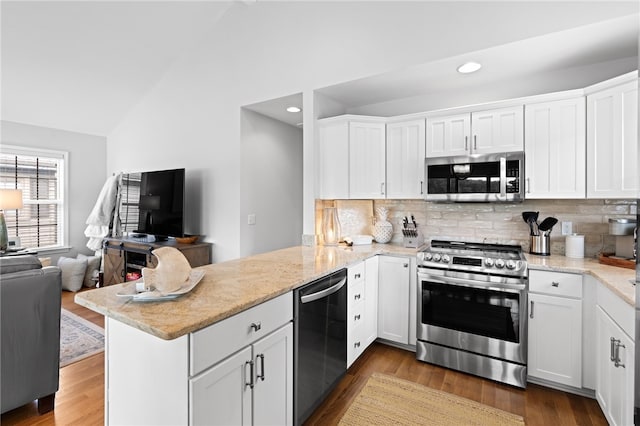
(472, 309)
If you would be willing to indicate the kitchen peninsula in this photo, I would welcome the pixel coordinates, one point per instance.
(157, 353)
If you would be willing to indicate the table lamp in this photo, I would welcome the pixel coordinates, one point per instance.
(9, 199)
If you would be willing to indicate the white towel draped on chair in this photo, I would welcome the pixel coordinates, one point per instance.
(100, 217)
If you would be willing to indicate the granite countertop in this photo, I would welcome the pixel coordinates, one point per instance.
(617, 279)
(230, 287)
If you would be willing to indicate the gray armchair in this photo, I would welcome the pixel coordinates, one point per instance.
(30, 299)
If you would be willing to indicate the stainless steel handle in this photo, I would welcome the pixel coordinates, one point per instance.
(528, 186)
(356, 317)
(357, 296)
(256, 326)
(356, 276)
(405, 265)
(612, 350)
(448, 279)
(261, 375)
(323, 293)
(382, 188)
(466, 143)
(421, 187)
(356, 345)
(475, 142)
(616, 345)
(531, 310)
(503, 177)
(250, 383)
(555, 284)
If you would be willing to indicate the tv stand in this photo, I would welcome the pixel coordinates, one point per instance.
(125, 257)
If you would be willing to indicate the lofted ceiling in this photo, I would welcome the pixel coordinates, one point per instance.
(83, 65)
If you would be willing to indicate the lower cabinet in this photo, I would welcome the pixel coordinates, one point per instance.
(253, 386)
(362, 307)
(555, 327)
(614, 371)
(396, 310)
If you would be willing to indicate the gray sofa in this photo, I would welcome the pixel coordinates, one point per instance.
(30, 299)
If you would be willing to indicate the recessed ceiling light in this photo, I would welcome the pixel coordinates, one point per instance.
(469, 67)
(293, 109)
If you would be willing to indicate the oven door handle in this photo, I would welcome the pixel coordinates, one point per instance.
(509, 288)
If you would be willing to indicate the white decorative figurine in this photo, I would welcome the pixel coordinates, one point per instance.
(382, 229)
(171, 273)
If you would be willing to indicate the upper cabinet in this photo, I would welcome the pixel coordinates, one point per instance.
(333, 160)
(555, 149)
(366, 160)
(482, 132)
(612, 139)
(405, 159)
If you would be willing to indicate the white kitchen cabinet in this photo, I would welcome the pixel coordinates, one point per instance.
(555, 149)
(362, 307)
(555, 327)
(405, 159)
(333, 160)
(612, 140)
(367, 179)
(204, 377)
(615, 370)
(254, 386)
(482, 132)
(394, 281)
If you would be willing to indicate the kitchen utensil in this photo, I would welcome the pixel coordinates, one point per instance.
(530, 218)
(547, 224)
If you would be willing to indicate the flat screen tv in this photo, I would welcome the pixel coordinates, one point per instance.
(152, 203)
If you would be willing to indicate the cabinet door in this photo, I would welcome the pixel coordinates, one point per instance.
(333, 160)
(555, 147)
(367, 160)
(222, 395)
(612, 142)
(448, 136)
(497, 130)
(614, 384)
(405, 159)
(114, 260)
(273, 390)
(393, 296)
(555, 339)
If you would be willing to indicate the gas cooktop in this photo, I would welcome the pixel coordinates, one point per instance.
(474, 257)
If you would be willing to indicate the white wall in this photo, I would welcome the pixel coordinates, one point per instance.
(264, 50)
(86, 173)
(271, 184)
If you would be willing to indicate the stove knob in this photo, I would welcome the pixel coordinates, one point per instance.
(428, 256)
(446, 258)
(488, 262)
(437, 257)
(511, 264)
(500, 263)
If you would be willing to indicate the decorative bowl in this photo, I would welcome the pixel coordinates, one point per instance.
(187, 239)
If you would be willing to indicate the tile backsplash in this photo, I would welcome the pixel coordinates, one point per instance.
(492, 222)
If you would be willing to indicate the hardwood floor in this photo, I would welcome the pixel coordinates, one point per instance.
(80, 400)
(538, 405)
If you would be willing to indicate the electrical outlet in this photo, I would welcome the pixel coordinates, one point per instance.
(251, 219)
(567, 228)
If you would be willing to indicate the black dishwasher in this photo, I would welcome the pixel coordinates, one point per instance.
(320, 337)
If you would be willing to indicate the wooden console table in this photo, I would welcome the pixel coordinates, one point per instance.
(122, 256)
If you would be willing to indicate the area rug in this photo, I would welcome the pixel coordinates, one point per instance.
(79, 338)
(387, 400)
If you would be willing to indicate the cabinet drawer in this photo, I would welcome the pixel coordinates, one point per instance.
(556, 283)
(216, 342)
(355, 273)
(355, 293)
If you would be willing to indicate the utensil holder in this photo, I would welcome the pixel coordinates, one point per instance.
(412, 237)
(540, 245)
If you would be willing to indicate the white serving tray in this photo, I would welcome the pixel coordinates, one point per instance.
(195, 277)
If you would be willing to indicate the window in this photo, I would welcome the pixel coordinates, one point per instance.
(40, 174)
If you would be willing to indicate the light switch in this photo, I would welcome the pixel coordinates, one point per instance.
(251, 219)
(567, 228)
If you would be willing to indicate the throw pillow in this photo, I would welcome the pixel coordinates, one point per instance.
(72, 272)
(93, 267)
(9, 264)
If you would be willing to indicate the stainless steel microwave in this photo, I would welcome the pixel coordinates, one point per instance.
(476, 178)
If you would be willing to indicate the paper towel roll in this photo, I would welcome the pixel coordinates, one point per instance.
(574, 246)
